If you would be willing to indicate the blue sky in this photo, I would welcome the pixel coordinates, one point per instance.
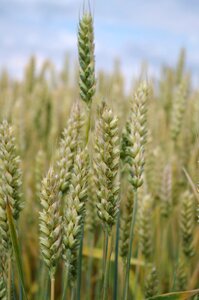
(132, 30)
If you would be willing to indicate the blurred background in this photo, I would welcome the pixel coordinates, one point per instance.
(131, 31)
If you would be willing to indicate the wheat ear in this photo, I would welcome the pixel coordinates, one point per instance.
(74, 213)
(86, 58)
(71, 138)
(50, 222)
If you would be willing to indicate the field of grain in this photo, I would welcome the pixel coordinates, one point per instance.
(98, 193)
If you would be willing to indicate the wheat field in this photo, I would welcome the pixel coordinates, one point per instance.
(98, 195)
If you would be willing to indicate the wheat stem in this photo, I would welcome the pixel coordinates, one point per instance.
(115, 288)
(107, 255)
(126, 283)
(52, 294)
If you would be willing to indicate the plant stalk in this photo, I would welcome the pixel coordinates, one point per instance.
(52, 293)
(133, 220)
(115, 287)
(107, 256)
(65, 287)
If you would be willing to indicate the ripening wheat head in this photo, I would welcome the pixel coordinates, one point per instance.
(70, 140)
(74, 212)
(106, 166)
(145, 230)
(178, 111)
(137, 135)
(151, 284)
(50, 222)
(187, 223)
(10, 179)
(166, 192)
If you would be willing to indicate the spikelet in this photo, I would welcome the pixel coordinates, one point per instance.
(86, 58)
(166, 192)
(50, 222)
(70, 140)
(74, 213)
(126, 223)
(151, 285)
(187, 223)
(137, 136)
(10, 181)
(178, 111)
(106, 166)
(145, 230)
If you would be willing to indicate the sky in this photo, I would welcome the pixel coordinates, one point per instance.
(131, 30)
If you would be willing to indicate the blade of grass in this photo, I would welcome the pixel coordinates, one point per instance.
(97, 254)
(176, 295)
(15, 245)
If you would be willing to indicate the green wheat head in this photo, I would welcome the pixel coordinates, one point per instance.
(74, 212)
(11, 181)
(50, 222)
(151, 285)
(86, 58)
(166, 192)
(178, 111)
(187, 223)
(137, 135)
(145, 230)
(71, 138)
